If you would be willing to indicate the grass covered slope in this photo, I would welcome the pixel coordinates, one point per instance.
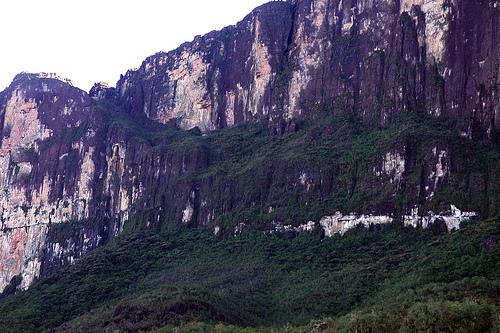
(385, 278)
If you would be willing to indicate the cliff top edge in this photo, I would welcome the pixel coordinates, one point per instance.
(41, 75)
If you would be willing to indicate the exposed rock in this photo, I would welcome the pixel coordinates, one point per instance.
(339, 223)
(36, 108)
(293, 59)
(66, 163)
(102, 90)
(451, 218)
(217, 80)
(393, 165)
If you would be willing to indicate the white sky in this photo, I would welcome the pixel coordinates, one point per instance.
(97, 40)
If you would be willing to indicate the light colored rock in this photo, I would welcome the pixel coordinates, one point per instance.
(393, 165)
(452, 218)
(308, 49)
(436, 25)
(239, 228)
(309, 226)
(187, 213)
(439, 172)
(258, 61)
(339, 223)
(25, 218)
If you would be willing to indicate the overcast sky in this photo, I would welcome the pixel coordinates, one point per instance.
(97, 40)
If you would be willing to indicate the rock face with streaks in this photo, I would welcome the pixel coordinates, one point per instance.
(35, 110)
(220, 79)
(296, 59)
(74, 167)
(69, 175)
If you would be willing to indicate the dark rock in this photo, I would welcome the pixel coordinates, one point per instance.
(491, 243)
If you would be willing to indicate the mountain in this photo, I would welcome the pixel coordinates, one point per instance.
(307, 115)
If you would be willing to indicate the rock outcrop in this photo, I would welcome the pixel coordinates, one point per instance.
(75, 166)
(220, 79)
(70, 173)
(36, 190)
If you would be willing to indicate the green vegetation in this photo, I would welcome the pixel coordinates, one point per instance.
(140, 128)
(246, 174)
(379, 279)
(250, 170)
(183, 278)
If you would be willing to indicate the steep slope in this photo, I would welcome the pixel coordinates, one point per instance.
(375, 102)
(41, 184)
(220, 79)
(329, 176)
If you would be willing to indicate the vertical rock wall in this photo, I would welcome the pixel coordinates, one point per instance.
(69, 176)
(40, 185)
(220, 79)
(297, 59)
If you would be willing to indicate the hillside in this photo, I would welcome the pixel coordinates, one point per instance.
(383, 279)
(157, 274)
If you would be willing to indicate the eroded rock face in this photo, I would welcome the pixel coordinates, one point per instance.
(63, 163)
(35, 109)
(220, 79)
(296, 59)
(102, 90)
(62, 159)
(451, 218)
(339, 223)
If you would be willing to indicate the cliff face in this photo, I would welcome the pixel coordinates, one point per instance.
(70, 173)
(295, 59)
(35, 192)
(75, 166)
(220, 79)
